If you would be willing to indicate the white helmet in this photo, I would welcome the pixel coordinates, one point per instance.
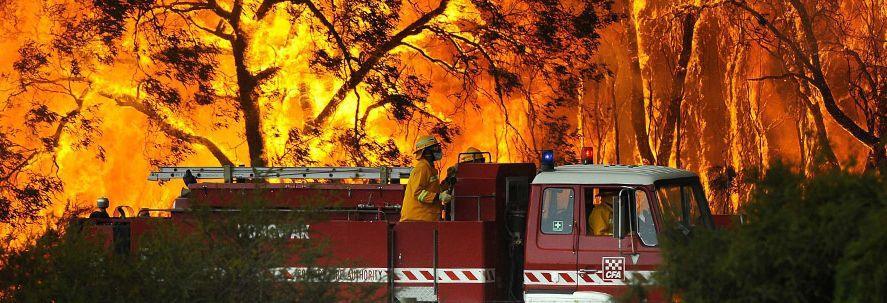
(102, 202)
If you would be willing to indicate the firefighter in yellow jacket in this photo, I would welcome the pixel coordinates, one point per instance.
(424, 196)
(601, 217)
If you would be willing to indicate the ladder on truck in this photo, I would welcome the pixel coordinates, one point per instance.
(384, 174)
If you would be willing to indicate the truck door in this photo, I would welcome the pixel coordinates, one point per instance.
(605, 262)
(551, 248)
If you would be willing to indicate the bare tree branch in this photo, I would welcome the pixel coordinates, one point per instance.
(782, 77)
(811, 62)
(56, 137)
(377, 105)
(332, 31)
(266, 73)
(266, 6)
(866, 137)
(166, 127)
(863, 68)
(214, 5)
(447, 66)
(358, 76)
(219, 31)
(773, 30)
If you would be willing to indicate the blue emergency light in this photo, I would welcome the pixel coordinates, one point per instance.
(547, 162)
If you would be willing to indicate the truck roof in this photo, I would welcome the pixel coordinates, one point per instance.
(610, 174)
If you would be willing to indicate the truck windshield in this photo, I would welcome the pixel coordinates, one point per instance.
(683, 202)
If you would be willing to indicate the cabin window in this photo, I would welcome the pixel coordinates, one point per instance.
(646, 227)
(557, 211)
(680, 203)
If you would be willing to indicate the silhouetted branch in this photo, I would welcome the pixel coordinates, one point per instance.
(781, 77)
(166, 127)
(447, 66)
(377, 105)
(374, 57)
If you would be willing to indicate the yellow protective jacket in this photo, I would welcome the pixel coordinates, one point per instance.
(420, 201)
(601, 220)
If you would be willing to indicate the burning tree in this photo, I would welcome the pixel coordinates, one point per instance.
(25, 189)
(294, 82)
(208, 55)
(816, 38)
(707, 86)
(720, 87)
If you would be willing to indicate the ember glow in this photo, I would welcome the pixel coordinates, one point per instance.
(96, 94)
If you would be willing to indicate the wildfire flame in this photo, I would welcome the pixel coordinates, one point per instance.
(759, 122)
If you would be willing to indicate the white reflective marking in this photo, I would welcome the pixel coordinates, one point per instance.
(401, 275)
(582, 279)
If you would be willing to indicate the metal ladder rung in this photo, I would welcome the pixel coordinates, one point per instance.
(227, 173)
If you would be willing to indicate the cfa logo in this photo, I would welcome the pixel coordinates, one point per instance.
(613, 268)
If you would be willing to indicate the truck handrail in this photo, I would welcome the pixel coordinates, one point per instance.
(229, 173)
(379, 212)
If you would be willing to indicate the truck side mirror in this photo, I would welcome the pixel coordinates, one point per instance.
(621, 222)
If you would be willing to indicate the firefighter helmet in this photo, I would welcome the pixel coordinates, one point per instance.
(102, 202)
(470, 154)
(424, 142)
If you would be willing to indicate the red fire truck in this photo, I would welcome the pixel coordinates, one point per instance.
(512, 233)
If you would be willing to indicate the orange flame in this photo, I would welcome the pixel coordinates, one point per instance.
(121, 176)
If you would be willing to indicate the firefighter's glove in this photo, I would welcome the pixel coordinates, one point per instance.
(445, 197)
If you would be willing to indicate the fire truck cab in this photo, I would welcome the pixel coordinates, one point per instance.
(571, 258)
(575, 233)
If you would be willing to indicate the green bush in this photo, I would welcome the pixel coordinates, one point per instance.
(862, 275)
(805, 240)
(208, 258)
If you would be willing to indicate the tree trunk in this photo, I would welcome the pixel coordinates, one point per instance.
(802, 145)
(740, 112)
(638, 114)
(615, 121)
(878, 156)
(249, 105)
(688, 25)
(811, 62)
(811, 46)
(763, 144)
(823, 153)
(677, 142)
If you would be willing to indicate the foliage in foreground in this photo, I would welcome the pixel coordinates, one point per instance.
(816, 239)
(211, 258)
